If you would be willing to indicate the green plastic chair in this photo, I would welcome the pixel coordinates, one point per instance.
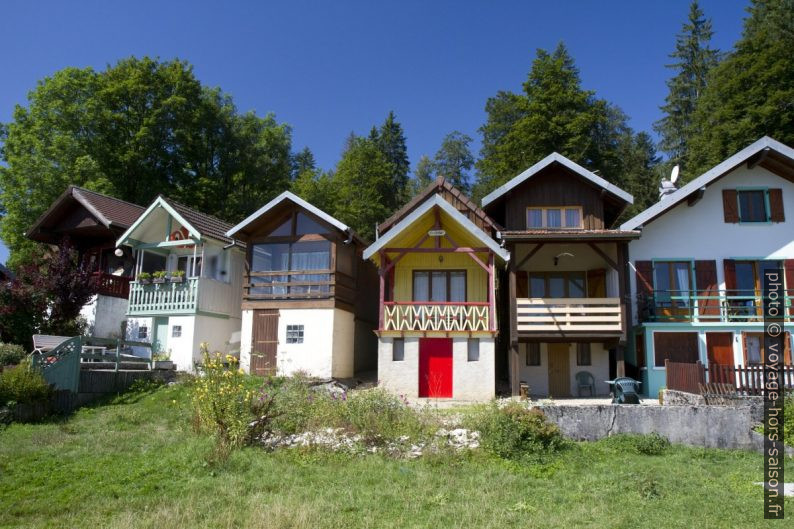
(626, 391)
(585, 379)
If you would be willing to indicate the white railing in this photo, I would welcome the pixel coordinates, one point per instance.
(162, 298)
(568, 314)
(422, 316)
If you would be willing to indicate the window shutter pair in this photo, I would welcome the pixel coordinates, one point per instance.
(730, 206)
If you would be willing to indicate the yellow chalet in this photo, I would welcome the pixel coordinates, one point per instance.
(437, 321)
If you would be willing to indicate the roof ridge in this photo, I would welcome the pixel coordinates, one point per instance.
(83, 189)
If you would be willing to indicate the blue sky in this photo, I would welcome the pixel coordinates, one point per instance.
(328, 68)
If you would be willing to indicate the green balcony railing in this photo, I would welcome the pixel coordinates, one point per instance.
(163, 298)
(719, 306)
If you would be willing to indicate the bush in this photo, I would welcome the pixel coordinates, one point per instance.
(11, 354)
(515, 431)
(221, 401)
(380, 416)
(649, 445)
(23, 384)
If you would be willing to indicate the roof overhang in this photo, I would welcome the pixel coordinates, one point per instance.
(287, 195)
(562, 160)
(758, 149)
(566, 236)
(416, 214)
(159, 202)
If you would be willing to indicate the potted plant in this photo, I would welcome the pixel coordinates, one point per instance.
(159, 276)
(162, 360)
(144, 278)
(177, 276)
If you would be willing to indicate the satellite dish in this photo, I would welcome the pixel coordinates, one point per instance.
(674, 174)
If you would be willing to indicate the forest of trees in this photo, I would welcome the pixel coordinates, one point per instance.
(143, 127)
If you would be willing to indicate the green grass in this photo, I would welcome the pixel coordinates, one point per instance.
(135, 462)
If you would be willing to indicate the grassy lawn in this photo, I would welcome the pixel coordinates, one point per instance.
(135, 462)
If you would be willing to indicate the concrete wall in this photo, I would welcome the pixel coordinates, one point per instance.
(538, 376)
(105, 316)
(708, 426)
(471, 381)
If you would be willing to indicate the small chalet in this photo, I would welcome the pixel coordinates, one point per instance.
(437, 322)
(698, 269)
(565, 291)
(188, 282)
(304, 299)
(92, 222)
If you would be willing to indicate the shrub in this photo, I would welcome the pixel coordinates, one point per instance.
(221, 400)
(380, 416)
(24, 385)
(11, 354)
(515, 431)
(650, 445)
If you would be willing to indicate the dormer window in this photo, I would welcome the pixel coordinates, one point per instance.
(554, 218)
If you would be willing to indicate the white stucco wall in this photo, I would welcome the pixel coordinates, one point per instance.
(471, 381)
(700, 231)
(105, 316)
(314, 355)
(538, 376)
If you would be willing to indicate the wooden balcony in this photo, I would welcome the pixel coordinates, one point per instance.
(569, 316)
(163, 298)
(441, 317)
(719, 306)
(112, 285)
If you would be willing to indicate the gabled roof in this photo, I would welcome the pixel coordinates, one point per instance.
(198, 225)
(109, 211)
(439, 184)
(760, 149)
(430, 203)
(287, 195)
(562, 160)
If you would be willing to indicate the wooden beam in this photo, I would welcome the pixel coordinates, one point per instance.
(460, 249)
(437, 226)
(758, 158)
(381, 276)
(532, 252)
(623, 289)
(512, 349)
(492, 291)
(604, 256)
(478, 261)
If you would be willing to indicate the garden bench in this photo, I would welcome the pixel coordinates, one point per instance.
(44, 343)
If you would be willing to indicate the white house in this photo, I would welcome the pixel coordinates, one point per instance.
(696, 270)
(197, 297)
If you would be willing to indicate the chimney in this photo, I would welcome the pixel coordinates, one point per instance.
(666, 188)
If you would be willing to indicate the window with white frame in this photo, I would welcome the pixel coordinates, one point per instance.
(294, 333)
(176, 331)
(567, 217)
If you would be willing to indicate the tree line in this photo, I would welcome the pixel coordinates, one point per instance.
(143, 127)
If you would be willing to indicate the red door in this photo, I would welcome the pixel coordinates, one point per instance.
(435, 367)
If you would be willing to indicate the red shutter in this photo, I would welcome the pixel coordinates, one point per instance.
(776, 213)
(730, 275)
(730, 205)
(706, 284)
(788, 267)
(644, 288)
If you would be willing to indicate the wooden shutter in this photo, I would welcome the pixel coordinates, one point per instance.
(644, 288)
(788, 267)
(787, 349)
(522, 284)
(730, 205)
(730, 275)
(706, 284)
(776, 213)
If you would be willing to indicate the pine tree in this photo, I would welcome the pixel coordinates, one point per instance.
(390, 139)
(694, 59)
(303, 161)
(750, 93)
(424, 174)
(454, 160)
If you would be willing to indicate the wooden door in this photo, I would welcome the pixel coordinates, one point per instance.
(559, 369)
(264, 342)
(719, 346)
(435, 367)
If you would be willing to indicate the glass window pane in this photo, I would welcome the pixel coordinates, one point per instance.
(572, 218)
(457, 285)
(285, 229)
(421, 286)
(153, 262)
(270, 257)
(553, 218)
(439, 285)
(745, 278)
(306, 225)
(537, 286)
(473, 350)
(753, 344)
(752, 206)
(576, 285)
(398, 350)
(534, 218)
(556, 286)
(314, 255)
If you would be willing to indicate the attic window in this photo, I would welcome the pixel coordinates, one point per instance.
(554, 218)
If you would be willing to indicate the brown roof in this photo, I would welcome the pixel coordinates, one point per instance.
(439, 184)
(207, 225)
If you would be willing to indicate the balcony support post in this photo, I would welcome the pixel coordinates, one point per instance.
(491, 292)
(512, 349)
(623, 289)
(382, 279)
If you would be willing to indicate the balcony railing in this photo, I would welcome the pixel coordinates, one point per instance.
(285, 285)
(568, 315)
(162, 298)
(723, 306)
(112, 285)
(429, 316)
